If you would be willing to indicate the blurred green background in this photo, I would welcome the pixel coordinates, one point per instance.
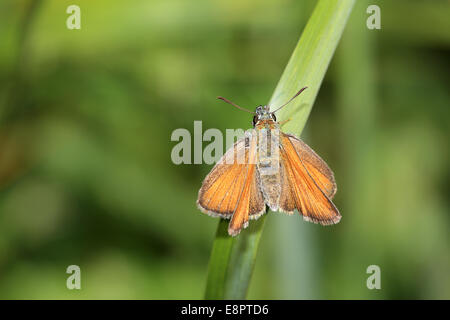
(86, 176)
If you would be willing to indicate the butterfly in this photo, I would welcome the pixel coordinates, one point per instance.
(268, 168)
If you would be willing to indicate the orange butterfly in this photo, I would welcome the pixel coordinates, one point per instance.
(268, 167)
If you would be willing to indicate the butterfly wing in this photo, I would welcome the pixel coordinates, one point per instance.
(317, 168)
(231, 189)
(307, 183)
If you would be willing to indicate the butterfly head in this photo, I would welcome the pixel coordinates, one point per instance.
(262, 113)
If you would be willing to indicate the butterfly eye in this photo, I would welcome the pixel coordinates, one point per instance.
(255, 120)
(273, 117)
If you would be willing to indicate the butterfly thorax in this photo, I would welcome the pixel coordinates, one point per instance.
(266, 124)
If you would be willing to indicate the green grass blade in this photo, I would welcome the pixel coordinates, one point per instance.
(309, 62)
(232, 259)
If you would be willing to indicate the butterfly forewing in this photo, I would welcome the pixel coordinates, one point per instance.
(300, 190)
(231, 189)
(317, 168)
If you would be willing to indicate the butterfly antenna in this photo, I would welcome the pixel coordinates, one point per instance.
(300, 91)
(235, 105)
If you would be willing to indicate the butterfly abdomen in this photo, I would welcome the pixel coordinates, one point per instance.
(268, 162)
